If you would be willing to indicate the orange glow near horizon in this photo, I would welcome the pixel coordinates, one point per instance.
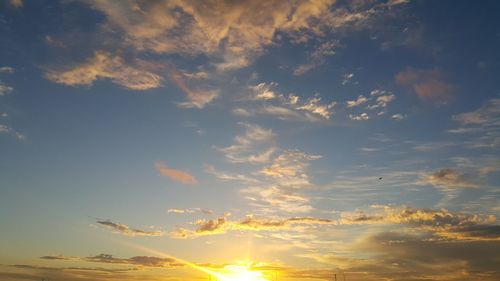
(241, 273)
(236, 272)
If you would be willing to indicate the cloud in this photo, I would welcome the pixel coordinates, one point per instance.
(284, 107)
(449, 225)
(282, 113)
(317, 57)
(254, 146)
(224, 176)
(190, 211)
(137, 260)
(449, 178)
(410, 256)
(242, 112)
(360, 100)
(175, 175)
(361, 117)
(58, 257)
(4, 89)
(126, 230)
(488, 115)
(105, 65)
(16, 3)
(289, 168)
(250, 223)
(284, 179)
(378, 99)
(229, 33)
(482, 125)
(7, 69)
(196, 98)
(382, 99)
(347, 78)
(4, 129)
(428, 84)
(315, 106)
(226, 31)
(397, 117)
(263, 91)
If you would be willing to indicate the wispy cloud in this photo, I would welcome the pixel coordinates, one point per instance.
(284, 180)
(190, 211)
(104, 65)
(317, 57)
(224, 176)
(4, 129)
(7, 69)
(174, 174)
(450, 178)
(196, 98)
(256, 145)
(488, 115)
(126, 230)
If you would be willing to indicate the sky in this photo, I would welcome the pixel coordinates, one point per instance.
(249, 140)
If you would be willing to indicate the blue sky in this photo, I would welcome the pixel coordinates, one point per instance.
(171, 140)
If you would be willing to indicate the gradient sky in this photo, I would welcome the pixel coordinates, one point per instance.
(170, 140)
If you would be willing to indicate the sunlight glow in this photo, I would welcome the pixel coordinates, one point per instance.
(240, 273)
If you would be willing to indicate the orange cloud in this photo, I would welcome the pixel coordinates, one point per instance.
(428, 84)
(175, 175)
(197, 98)
(105, 65)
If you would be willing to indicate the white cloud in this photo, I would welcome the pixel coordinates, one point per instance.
(7, 69)
(361, 117)
(224, 176)
(282, 185)
(347, 78)
(397, 116)
(190, 211)
(263, 91)
(360, 100)
(254, 146)
(315, 106)
(284, 107)
(4, 129)
(4, 89)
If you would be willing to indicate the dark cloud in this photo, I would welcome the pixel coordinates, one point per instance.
(137, 260)
(404, 256)
(126, 230)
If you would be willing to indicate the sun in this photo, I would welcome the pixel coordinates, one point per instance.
(240, 273)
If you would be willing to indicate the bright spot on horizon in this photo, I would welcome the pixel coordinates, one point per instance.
(240, 273)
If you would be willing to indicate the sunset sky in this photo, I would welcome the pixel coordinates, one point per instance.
(249, 140)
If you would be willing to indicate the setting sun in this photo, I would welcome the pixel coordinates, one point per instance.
(240, 273)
